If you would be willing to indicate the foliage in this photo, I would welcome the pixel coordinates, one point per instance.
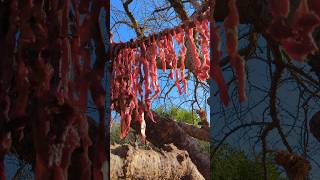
(180, 115)
(232, 164)
(177, 114)
(115, 138)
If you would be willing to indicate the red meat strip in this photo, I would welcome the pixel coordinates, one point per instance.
(215, 70)
(279, 29)
(193, 50)
(279, 8)
(146, 70)
(305, 21)
(298, 48)
(174, 62)
(153, 68)
(182, 52)
(168, 53)
(230, 25)
(238, 63)
(162, 54)
(205, 53)
(125, 122)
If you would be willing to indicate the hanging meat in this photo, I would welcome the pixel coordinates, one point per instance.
(215, 70)
(180, 38)
(193, 50)
(174, 61)
(202, 29)
(237, 62)
(52, 79)
(296, 39)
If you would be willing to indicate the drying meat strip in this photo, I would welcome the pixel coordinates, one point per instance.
(237, 62)
(134, 72)
(215, 70)
(161, 46)
(301, 43)
(153, 68)
(279, 29)
(168, 53)
(296, 40)
(193, 50)
(299, 47)
(146, 71)
(305, 21)
(205, 53)
(279, 8)
(182, 53)
(174, 62)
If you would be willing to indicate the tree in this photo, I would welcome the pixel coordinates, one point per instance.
(233, 164)
(166, 130)
(276, 114)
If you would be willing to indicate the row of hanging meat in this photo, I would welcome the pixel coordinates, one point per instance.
(295, 36)
(135, 65)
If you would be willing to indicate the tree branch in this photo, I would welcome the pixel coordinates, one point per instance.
(135, 25)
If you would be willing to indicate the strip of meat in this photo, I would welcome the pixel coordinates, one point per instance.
(193, 50)
(279, 8)
(215, 70)
(205, 53)
(162, 54)
(174, 62)
(125, 122)
(238, 63)
(298, 48)
(230, 25)
(279, 29)
(305, 21)
(182, 53)
(168, 53)
(153, 68)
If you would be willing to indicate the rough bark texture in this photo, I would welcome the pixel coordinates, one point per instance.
(168, 163)
(202, 133)
(167, 131)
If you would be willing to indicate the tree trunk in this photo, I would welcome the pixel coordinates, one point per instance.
(167, 131)
(168, 163)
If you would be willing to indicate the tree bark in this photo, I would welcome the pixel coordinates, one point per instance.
(167, 131)
(169, 163)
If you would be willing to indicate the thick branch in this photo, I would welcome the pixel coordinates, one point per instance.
(168, 163)
(273, 106)
(167, 131)
(178, 8)
(135, 25)
(198, 133)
